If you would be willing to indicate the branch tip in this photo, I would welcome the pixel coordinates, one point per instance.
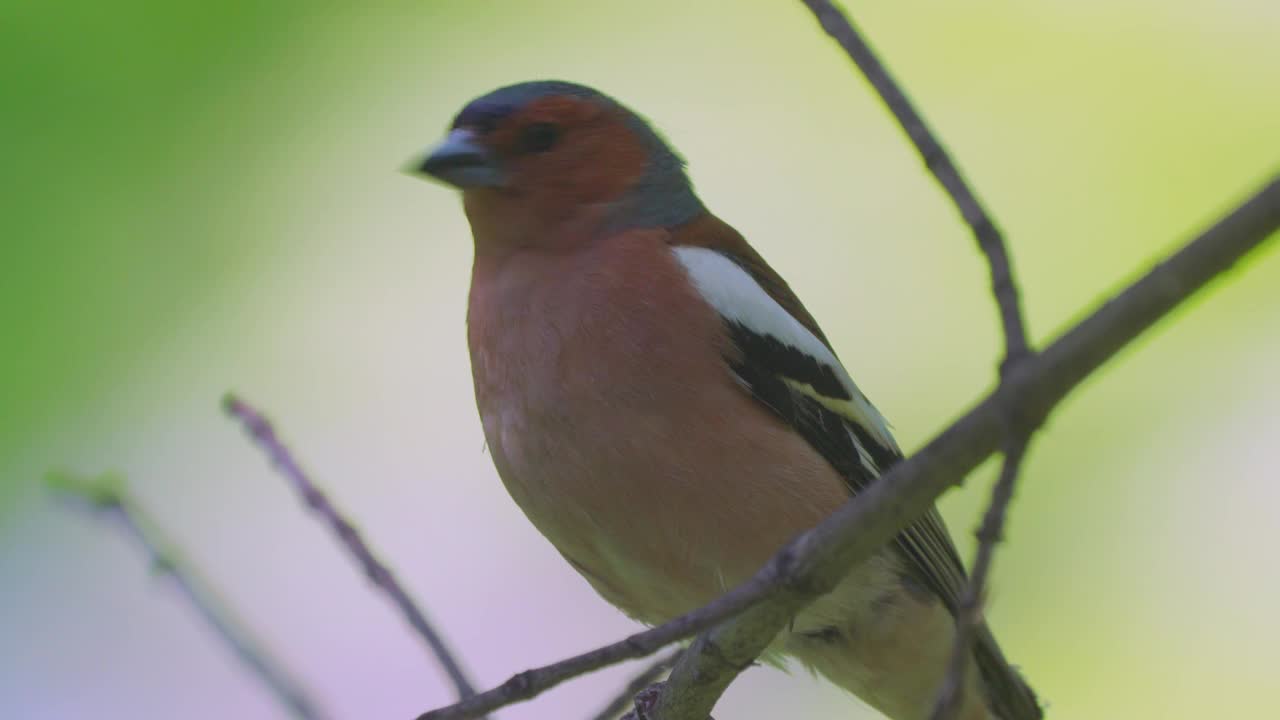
(259, 429)
(109, 493)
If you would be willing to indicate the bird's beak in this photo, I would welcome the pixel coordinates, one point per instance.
(460, 161)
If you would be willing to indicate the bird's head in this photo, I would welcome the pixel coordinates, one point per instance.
(555, 163)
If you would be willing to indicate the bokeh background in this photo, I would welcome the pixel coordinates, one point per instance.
(205, 196)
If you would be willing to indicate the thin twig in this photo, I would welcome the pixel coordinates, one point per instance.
(651, 674)
(838, 25)
(936, 159)
(107, 494)
(969, 613)
(991, 242)
(813, 563)
(259, 429)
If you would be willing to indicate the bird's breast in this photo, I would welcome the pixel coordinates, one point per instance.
(617, 427)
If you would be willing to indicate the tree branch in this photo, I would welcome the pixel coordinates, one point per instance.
(107, 494)
(969, 614)
(260, 430)
(814, 562)
(939, 163)
(1004, 288)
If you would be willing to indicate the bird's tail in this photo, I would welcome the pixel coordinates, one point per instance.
(1008, 694)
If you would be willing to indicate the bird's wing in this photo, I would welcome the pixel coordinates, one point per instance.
(782, 358)
(785, 362)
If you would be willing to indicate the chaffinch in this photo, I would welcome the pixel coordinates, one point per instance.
(663, 408)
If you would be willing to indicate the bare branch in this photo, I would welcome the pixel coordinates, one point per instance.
(1005, 290)
(644, 679)
(969, 614)
(108, 494)
(260, 430)
(814, 562)
(936, 159)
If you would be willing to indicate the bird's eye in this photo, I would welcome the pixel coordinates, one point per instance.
(539, 137)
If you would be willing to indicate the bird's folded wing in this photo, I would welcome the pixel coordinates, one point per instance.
(785, 362)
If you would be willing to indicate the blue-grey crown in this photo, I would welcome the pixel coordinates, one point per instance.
(662, 197)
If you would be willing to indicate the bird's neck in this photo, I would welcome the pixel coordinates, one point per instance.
(502, 225)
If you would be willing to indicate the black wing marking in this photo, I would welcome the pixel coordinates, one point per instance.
(763, 367)
(788, 361)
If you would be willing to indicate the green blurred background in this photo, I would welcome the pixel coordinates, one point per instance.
(204, 197)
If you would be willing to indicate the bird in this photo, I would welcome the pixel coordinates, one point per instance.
(667, 413)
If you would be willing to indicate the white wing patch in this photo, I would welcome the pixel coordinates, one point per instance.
(736, 295)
